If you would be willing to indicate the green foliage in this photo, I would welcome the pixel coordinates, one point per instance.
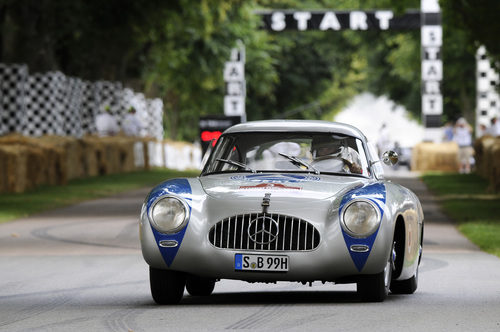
(486, 234)
(176, 50)
(464, 198)
(455, 184)
(478, 20)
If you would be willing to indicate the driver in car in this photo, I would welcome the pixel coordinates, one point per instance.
(326, 148)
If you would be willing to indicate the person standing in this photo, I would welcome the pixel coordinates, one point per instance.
(448, 132)
(106, 123)
(132, 125)
(494, 129)
(463, 137)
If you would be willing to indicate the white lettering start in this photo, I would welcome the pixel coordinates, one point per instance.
(358, 20)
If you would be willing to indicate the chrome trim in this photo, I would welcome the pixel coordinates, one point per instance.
(262, 230)
(168, 243)
(344, 209)
(276, 232)
(359, 248)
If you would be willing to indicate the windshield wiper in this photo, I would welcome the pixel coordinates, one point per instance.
(237, 164)
(298, 162)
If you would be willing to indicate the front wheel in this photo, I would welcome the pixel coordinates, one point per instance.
(167, 287)
(197, 286)
(375, 288)
(408, 286)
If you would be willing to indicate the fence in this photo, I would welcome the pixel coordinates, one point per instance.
(55, 104)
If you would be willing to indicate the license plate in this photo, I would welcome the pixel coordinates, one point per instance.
(267, 263)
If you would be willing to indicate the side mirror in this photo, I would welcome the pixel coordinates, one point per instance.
(390, 158)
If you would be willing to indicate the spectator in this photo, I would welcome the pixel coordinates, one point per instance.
(106, 123)
(132, 125)
(482, 130)
(494, 129)
(463, 137)
(448, 132)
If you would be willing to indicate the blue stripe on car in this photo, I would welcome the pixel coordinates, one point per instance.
(178, 187)
(376, 193)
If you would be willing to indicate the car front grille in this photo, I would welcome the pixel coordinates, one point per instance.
(265, 232)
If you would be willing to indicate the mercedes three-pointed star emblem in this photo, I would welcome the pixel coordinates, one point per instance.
(263, 230)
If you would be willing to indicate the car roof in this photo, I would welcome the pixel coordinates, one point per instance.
(296, 126)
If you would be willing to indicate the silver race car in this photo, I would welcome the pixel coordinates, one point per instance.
(276, 201)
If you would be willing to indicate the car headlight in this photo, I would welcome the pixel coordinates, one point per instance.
(169, 214)
(360, 218)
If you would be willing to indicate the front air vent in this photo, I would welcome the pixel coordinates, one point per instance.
(264, 232)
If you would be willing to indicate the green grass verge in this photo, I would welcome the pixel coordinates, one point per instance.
(13, 206)
(464, 198)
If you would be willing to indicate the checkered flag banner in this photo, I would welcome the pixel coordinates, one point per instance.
(13, 79)
(55, 104)
(487, 80)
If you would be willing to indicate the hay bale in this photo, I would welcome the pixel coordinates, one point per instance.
(110, 155)
(494, 167)
(146, 151)
(93, 151)
(14, 161)
(72, 152)
(482, 155)
(3, 170)
(51, 169)
(435, 157)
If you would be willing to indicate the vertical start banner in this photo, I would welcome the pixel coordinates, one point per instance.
(234, 77)
(432, 64)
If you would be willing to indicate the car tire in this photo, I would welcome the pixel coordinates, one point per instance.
(375, 288)
(197, 286)
(167, 287)
(408, 286)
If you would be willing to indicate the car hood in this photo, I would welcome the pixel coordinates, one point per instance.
(314, 187)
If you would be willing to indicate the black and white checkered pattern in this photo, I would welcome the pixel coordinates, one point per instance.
(110, 94)
(72, 106)
(13, 80)
(88, 108)
(488, 100)
(154, 121)
(44, 105)
(55, 104)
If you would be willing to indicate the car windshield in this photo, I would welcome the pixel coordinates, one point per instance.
(288, 152)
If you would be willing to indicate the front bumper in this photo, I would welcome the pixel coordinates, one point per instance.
(330, 261)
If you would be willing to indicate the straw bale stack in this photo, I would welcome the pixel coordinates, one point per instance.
(46, 162)
(482, 155)
(93, 151)
(118, 154)
(13, 168)
(487, 154)
(145, 149)
(26, 162)
(72, 152)
(494, 170)
(435, 157)
(108, 155)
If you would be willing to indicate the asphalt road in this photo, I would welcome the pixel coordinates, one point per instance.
(80, 269)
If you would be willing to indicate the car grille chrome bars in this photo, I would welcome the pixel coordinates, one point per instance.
(264, 232)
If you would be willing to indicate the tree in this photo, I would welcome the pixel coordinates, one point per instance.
(188, 53)
(176, 50)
